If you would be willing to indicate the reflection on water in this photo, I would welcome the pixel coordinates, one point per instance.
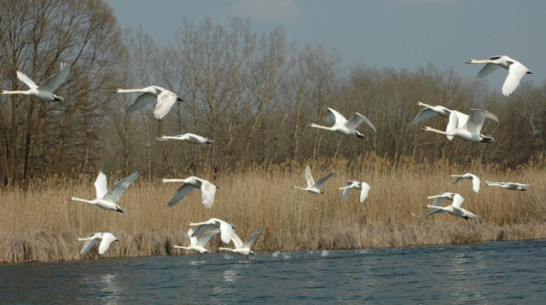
(491, 273)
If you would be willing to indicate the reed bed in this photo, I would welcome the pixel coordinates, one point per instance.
(41, 224)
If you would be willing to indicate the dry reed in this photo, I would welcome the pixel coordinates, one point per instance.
(41, 224)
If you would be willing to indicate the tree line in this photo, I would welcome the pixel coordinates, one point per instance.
(252, 93)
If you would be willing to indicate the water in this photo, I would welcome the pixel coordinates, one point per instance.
(489, 273)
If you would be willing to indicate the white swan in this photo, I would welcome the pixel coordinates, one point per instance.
(470, 131)
(190, 137)
(344, 126)
(208, 190)
(313, 187)
(362, 186)
(438, 201)
(108, 199)
(516, 70)
(453, 209)
(161, 97)
(514, 186)
(476, 181)
(243, 248)
(45, 90)
(105, 240)
(226, 229)
(430, 111)
(199, 244)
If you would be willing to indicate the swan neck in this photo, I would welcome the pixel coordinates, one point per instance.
(130, 90)
(320, 126)
(173, 180)
(14, 92)
(82, 200)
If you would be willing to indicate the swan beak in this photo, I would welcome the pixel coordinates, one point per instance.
(528, 72)
(469, 61)
(179, 99)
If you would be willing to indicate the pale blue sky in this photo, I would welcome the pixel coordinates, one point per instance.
(388, 33)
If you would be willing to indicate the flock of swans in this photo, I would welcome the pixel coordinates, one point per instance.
(461, 125)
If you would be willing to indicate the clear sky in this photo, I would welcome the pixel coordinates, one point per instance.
(378, 33)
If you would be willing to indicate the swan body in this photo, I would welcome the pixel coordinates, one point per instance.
(313, 187)
(208, 190)
(243, 248)
(161, 97)
(226, 229)
(429, 111)
(470, 131)
(476, 181)
(198, 245)
(190, 137)
(344, 126)
(45, 90)
(516, 70)
(452, 209)
(350, 185)
(105, 240)
(514, 186)
(108, 198)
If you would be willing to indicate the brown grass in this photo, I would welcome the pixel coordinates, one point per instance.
(41, 224)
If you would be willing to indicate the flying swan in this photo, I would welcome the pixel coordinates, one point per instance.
(190, 137)
(344, 126)
(476, 181)
(516, 71)
(108, 198)
(514, 186)
(429, 111)
(350, 185)
(105, 240)
(161, 97)
(208, 190)
(45, 90)
(226, 229)
(470, 131)
(313, 187)
(453, 209)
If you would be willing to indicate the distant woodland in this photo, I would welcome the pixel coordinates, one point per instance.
(252, 93)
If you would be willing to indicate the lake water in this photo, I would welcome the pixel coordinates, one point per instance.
(488, 273)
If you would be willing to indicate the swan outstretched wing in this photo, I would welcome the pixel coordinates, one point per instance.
(356, 119)
(364, 192)
(253, 237)
(52, 83)
(487, 69)
(142, 100)
(515, 72)
(101, 185)
(165, 101)
(477, 119)
(115, 193)
(322, 180)
(346, 193)
(25, 79)
(180, 193)
(107, 239)
(424, 114)
(206, 237)
(457, 200)
(208, 192)
(336, 117)
(89, 243)
(309, 176)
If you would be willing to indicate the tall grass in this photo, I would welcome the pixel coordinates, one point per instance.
(41, 224)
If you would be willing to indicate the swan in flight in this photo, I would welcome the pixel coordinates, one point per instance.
(105, 240)
(190, 137)
(108, 198)
(313, 187)
(476, 181)
(429, 111)
(243, 248)
(516, 71)
(45, 90)
(344, 126)
(208, 190)
(514, 186)
(350, 185)
(452, 209)
(470, 131)
(199, 244)
(161, 97)
(226, 229)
